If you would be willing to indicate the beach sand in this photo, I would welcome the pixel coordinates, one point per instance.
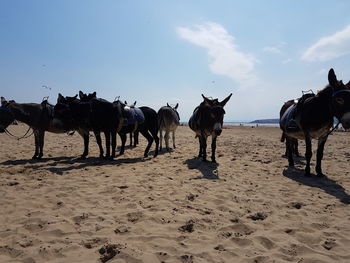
(250, 207)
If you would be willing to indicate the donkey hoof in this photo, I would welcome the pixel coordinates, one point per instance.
(320, 175)
(307, 174)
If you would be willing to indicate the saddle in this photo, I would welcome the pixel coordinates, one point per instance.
(133, 116)
(48, 109)
(291, 119)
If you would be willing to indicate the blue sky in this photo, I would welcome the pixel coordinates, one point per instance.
(264, 52)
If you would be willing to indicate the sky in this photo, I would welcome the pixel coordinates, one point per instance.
(157, 52)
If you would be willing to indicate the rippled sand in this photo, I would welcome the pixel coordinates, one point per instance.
(173, 208)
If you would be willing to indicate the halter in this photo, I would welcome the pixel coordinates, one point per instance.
(4, 108)
(339, 91)
(86, 102)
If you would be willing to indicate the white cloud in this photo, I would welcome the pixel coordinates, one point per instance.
(322, 71)
(286, 61)
(226, 59)
(329, 47)
(274, 50)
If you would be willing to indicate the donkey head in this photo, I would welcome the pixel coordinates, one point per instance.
(87, 97)
(216, 112)
(6, 116)
(174, 109)
(340, 99)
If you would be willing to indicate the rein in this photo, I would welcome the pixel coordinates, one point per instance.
(19, 138)
(335, 127)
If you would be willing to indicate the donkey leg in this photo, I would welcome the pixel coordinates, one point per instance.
(296, 150)
(160, 139)
(320, 148)
(289, 152)
(149, 139)
(41, 144)
(108, 144)
(200, 147)
(154, 134)
(123, 140)
(130, 139)
(174, 139)
(286, 153)
(99, 142)
(36, 141)
(204, 147)
(308, 155)
(136, 138)
(213, 148)
(167, 140)
(85, 135)
(114, 143)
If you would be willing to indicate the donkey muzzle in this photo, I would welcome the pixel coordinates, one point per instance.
(345, 120)
(217, 129)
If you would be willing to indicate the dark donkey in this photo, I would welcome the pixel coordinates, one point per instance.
(92, 114)
(207, 119)
(134, 136)
(314, 119)
(38, 116)
(292, 141)
(168, 120)
(133, 123)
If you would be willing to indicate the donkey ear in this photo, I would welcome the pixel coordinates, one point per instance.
(3, 101)
(125, 102)
(348, 85)
(60, 97)
(332, 78)
(167, 104)
(81, 94)
(225, 100)
(76, 95)
(94, 94)
(207, 100)
(177, 105)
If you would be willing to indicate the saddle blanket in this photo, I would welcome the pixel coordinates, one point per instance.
(133, 115)
(287, 121)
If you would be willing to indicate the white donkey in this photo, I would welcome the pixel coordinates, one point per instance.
(168, 120)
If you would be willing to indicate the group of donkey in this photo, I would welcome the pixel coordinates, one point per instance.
(89, 113)
(309, 118)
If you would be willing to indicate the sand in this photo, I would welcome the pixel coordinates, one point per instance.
(250, 207)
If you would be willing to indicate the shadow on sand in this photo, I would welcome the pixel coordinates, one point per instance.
(208, 169)
(330, 186)
(59, 165)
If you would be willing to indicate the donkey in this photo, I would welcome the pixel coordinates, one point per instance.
(168, 121)
(37, 116)
(133, 123)
(207, 119)
(105, 117)
(314, 119)
(293, 141)
(91, 113)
